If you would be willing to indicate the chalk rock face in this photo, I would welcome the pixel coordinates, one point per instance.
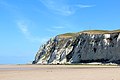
(83, 47)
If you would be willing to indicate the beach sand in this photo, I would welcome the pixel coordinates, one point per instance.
(59, 72)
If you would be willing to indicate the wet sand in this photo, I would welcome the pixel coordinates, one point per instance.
(59, 72)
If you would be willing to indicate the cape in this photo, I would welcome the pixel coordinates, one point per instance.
(82, 47)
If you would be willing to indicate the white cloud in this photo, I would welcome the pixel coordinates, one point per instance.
(22, 24)
(84, 6)
(62, 8)
(58, 7)
(24, 28)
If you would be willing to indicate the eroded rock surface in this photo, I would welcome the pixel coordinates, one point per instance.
(81, 47)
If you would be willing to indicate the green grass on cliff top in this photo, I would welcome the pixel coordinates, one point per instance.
(100, 31)
(68, 35)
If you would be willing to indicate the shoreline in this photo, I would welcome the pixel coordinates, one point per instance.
(59, 72)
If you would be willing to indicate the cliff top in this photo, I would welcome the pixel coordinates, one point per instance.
(100, 31)
(69, 35)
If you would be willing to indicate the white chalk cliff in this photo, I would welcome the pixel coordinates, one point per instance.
(82, 47)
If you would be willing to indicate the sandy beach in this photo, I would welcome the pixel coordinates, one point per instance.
(59, 72)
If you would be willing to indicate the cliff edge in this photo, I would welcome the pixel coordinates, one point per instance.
(82, 47)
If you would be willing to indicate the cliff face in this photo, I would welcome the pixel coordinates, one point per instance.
(83, 47)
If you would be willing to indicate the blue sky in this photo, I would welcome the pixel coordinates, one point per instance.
(27, 24)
